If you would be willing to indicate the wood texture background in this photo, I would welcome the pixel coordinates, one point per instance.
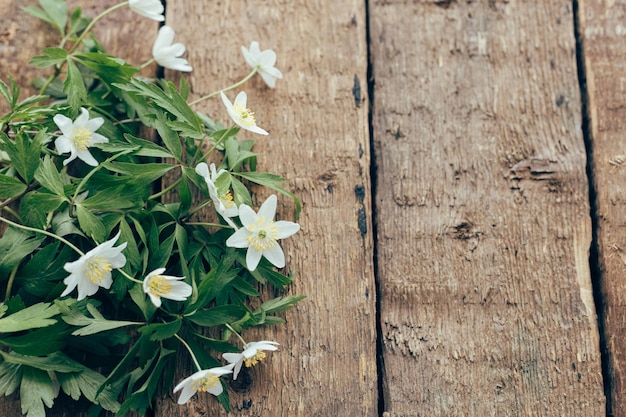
(479, 235)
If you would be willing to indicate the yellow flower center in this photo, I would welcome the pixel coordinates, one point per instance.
(158, 285)
(245, 116)
(96, 269)
(208, 382)
(81, 138)
(263, 234)
(258, 357)
(227, 199)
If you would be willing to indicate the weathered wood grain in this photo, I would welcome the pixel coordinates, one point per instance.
(482, 211)
(22, 36)
(318, 140)
(603, 27)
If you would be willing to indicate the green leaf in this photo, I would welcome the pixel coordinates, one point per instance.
(149, 171)
(74, 87)
(10, 187)
(51, 56)
(78, 22)
(35, 316)
(92, 325)
(109, 68)
(161, 331)
(87, 382)
(241, 195)
(90, 224)
(35, 205)
(36, 390)
(48, 176)
(218, 315)
(131, 251)
(148, 148)
(57, 11)
(15, 245)
(113, 198)
(271, 181)
(24, 153)
(278, 304)
(38, 342)
(10, 378)
(56, 362)
(170, 138)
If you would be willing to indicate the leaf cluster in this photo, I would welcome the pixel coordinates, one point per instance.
(116, 349)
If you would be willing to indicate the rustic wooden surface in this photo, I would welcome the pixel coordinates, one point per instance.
(482, 211)
(481, 203)
(603, 27)
(319, 141)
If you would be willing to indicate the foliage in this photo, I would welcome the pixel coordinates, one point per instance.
(88, 310)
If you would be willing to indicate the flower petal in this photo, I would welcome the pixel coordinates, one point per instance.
(286, 229)
(275, 255)
(239, 239)
(268, 208)
(253, 257)
(64, 123)
(247, 215)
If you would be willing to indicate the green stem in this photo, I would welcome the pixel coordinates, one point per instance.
(225, 226)
(217, 143)
(166, 189)
(43, 232)
(92, 23)
(237, 334)
(10, 282)
(237, 84)
(195, 361)
(145, 64)
(91, 173)
(129, 277)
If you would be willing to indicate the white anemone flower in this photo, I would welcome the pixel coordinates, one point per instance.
(241, 115)
(223, 203)
(167, 54)
(93, 269)
(152, 9)
(263, 62)
(78, 136)
(251, 355)
(207, 380)
(260, 234)
(159, 286)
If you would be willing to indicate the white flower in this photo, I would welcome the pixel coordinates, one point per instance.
(251, 355)
(167, 54)
(159, 286)
(223, 203)
(207, 380)
(152, 9)
(240, 114)
(93, 269)
(78, 136)
(260, 233)
(262, 61)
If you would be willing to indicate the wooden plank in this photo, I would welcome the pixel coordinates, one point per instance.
(22, 36)
(318, 140)
(482, 211)
(603, 27)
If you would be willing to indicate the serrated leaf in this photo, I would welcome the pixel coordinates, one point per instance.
(10, 187)
(278, 304)
(49, 57)
(15, 245)
(87, 383)
(90, 224)
(271, 181)
(10, 378)
(56, 362)
(57, 11)
(95, 324)
(161, 331)
(48, 176)
(35, 316)
(36, 390)
(35, 206)
(170, 138)
(218, 315)
(74, 87)
(24, 153)
(148, 148)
